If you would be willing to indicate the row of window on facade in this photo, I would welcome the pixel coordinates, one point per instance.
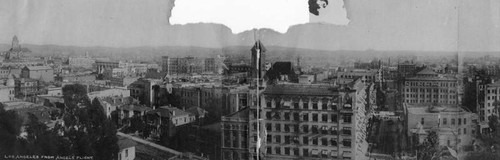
(430, 90)
(315, 129)
(288, 139)
(308, 117)
(305, 105)
(429, 101)
(459, 120)
(306, 152)
(429, 96)
(441, 84)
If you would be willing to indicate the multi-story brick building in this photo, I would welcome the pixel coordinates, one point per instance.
(491, 102)
(143, 90)
(313, 121)
(235, 131)
(428, 87)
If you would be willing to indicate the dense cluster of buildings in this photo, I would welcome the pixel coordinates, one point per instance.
(268, 110)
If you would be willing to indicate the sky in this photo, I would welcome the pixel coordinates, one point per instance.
(435, 25)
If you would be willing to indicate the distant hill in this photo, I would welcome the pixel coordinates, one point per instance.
(274, 53)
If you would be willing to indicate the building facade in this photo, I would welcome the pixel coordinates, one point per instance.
(491, 102)
(43, 73)
(105, 65)
(312, 122)
(428, 87)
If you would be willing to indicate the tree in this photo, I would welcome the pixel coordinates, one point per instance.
(89, 130)
(429, 149)
(10, 128)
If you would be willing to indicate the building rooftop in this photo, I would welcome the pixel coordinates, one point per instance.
(124, 143)
(197, 111)
(134, 107)
(36, 68)
(425, 109)
(302, 89)
(427, 71)
(166, 111)
(241, 114)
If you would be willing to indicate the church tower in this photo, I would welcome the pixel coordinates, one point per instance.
(258, 60)
(15, 43)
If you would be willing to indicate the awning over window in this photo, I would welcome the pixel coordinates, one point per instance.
(315, 152)
(346, 154)
(334, 153)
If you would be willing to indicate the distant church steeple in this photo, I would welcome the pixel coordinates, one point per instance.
(15, 43)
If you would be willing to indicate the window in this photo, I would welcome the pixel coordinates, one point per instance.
(315, 106)
(277, 138)
(277, 150)
(445, 121)
(465, 121)
(296, 105)
(296, 128)
(305, 105)
(465, 130)
(346, 143)
(324, 106)
(287, 150)
(324, 141)
(305, 152)
(422, 121)
(287, 128)
(296, 117)
(315, 117)
(459, 121)
(324, 117)
(346, 118)
(296, 151)
(278, 127)
(287, 139)
(269, 138)
(268, 126)
(305, 129)
(333, 142)
(305, 140)
(269, 104)
(287, 116)
(315, 141)
(334, 117)
(305, 117)
(346, 131)
(126, 152)
(453, 121)
(315, 129)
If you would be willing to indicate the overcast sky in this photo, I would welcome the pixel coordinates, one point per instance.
(446, 25)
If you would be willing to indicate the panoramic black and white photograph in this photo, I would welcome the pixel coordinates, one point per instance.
(250, 79)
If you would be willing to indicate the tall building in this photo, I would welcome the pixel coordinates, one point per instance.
(144, 91)
(258, 59)
(428, 87)
(234, 135)
(312, 121)
(491, 102)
